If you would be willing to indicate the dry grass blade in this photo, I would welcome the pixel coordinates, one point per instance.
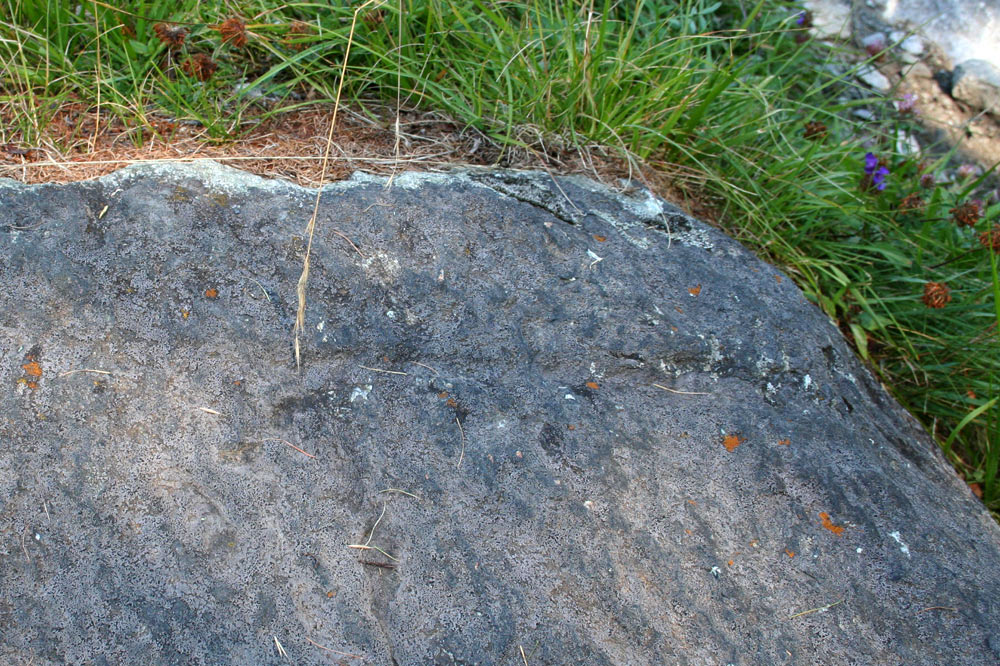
(289, 444)
(388, 372)
(402, 492)
(323, 647)
(300, 289)
(821, 609)
(73, 372)
(670, 390)
(462, 433)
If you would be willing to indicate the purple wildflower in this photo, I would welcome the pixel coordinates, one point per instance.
(875, 173)
(967, 171)
(801, 19)
(879, 178)
(908, 104)
(871, 162)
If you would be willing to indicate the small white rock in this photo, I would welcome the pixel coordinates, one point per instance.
(873, 78)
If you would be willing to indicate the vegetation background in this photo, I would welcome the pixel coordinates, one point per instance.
(727, 107)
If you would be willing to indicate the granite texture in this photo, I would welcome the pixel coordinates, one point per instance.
(567, 425)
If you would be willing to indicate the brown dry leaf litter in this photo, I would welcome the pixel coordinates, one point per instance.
(290, 147)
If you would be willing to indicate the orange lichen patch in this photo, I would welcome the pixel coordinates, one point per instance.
(784, 442)
(443, 394)
(592, 385)
(688, 532)
(732, 441)
(692, 502)
(789, 553)
(694, 291)
(571, 427)
(600, 239)
(731, 562)
(677, 307)
(828, 524)
(32, 368)
(212, 293)
(777, 279)
(451, 402)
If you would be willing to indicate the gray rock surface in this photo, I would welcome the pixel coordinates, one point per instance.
(831, 18)
(963, 29)
(480, 405)
(977, 83)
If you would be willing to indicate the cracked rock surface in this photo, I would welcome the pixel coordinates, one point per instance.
(557, 424)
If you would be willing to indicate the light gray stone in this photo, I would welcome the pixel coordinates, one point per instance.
(874, 79)
(964, 29)
(582, 427)
(831, 18)
(977, 83)
(912, 45)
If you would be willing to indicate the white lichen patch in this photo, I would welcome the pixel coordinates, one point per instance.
(623, 228)
(696, 237)
(362, 393)
(386, 266)
(903, 548)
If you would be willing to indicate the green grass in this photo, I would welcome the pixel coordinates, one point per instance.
(716, 93)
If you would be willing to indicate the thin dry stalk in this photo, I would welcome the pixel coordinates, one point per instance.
(300, 315)
(366, 545)
(821, 609)
(944, 608)
(388, 372)
(287, 443)
(73, 372)
(462, 432)
(401, 492)
(97, 73)
(680, 392)
(323, 647)
(344, 236)
(281, 650)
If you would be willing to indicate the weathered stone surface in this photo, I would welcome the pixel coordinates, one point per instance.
(511, 449)
(977, 83)
(962, 29)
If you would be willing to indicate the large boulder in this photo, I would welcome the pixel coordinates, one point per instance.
(534, 423)
(977, 83)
